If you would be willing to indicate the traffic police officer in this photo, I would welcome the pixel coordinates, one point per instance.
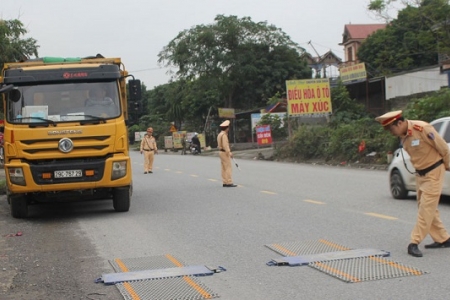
(148, 146)
(430, 156)
(225, 154)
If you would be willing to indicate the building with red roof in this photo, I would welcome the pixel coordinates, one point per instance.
(353, 36)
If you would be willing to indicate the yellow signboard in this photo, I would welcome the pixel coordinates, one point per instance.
(355, 73)
(309, 97)
(177, 137)
(226, 113)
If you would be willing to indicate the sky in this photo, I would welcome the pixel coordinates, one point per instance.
(137, 30)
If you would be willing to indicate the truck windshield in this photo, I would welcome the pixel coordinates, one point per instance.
(64, 102)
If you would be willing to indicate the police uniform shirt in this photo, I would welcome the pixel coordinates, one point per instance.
(223, 142)
(148, 141)
(424, 145)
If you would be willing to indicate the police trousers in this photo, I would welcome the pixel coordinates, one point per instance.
(148, 160)
(428, 189)
(225, 162)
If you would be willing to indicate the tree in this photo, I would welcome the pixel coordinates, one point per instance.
(243, 61)
(414, 39)
(345, 109)
(12, 46)
(278, 126)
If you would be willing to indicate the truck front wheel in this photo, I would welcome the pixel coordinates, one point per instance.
(121, 199)
(19, 206)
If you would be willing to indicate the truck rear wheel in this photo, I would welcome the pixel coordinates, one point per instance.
(19, 206)
(121, 199)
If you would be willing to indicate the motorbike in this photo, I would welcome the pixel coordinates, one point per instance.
(194, 149)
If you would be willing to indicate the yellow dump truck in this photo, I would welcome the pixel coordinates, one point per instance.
(65, 131)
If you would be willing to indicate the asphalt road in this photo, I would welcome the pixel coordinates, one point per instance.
(183, 210)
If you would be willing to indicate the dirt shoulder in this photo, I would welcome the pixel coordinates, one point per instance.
(36, 265)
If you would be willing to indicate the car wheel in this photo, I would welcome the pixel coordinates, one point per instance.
(398, 189)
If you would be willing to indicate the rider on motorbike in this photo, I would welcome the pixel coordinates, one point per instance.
(196, 142)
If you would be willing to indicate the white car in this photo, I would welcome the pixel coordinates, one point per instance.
(401, 172)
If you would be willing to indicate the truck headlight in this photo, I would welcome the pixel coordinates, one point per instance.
(16, 176)
(119, 169)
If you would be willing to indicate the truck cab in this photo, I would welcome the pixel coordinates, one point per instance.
(65, 133)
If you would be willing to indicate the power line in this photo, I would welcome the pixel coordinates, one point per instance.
(149, 69)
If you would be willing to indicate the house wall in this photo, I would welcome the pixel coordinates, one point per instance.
(354, 59)
(421, 81)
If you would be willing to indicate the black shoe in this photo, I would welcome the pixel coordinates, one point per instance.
(145, 172)
(445, 244)
(229, 185)
(413, 249)
(150, 171)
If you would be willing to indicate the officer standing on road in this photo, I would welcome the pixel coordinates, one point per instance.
(225, 154)
(430, 156)
(148, 146)
(183, 144)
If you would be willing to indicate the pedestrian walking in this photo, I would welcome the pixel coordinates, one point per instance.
(430, 156)
(225, 154)
(149, 148)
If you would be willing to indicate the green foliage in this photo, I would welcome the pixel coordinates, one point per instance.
(413, 40)
(429, 108)
(339, 144)
(131, 130)
(377, 5)
(345, 140)
(12, 46)
(308, 142)
(339, 140)
(241, 62)
(277, 128)
(345, 109)
(161, 127)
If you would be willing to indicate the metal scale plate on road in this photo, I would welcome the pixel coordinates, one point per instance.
(349, 265)
(159, 277)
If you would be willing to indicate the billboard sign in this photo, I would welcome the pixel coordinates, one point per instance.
(264, 135)
(353, 74)
(309, 97)
(226, 113)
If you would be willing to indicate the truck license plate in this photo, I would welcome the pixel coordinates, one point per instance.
(68, 173)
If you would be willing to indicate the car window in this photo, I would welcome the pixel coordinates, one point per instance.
(438, 126)
(446, 134)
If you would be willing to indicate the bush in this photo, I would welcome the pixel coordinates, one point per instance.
(430, 107)
(308, 142)
(340, 144)
(350, 124)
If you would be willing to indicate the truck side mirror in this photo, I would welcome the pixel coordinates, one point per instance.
(134, 90)
(6, 88)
